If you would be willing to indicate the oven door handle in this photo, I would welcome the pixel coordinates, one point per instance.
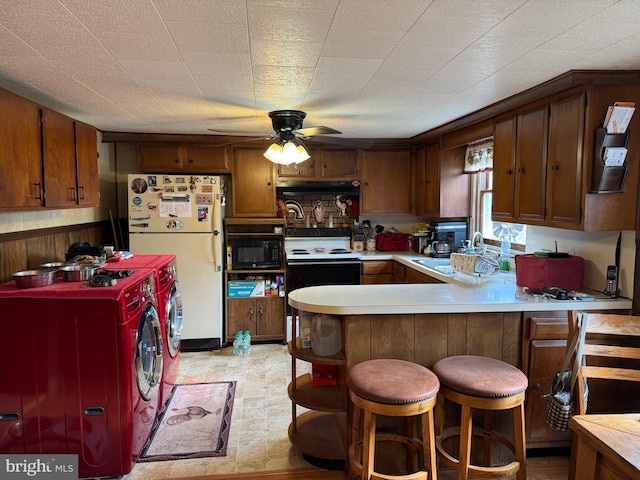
(319, 262)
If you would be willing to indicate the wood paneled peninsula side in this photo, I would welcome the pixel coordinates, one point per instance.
(423, 323)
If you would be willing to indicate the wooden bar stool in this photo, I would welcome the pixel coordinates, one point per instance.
(484, 384)
(393, 388)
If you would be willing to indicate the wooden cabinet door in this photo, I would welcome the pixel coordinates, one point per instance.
(338, 164)
(454, 184)
(154, 158)
(254, 192)
(399, 273)
(204, 159)
(241, 315)
(432, 180)
(87, 165)
(386, 182)
(59, 152)
(419, 181)
(531, 161)
(21, 153)
(545, 359)
(414, 276)
(303, 171)
(504, 165)
(270, 316)
(566, 136)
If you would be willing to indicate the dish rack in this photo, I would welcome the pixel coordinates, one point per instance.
(486, 263)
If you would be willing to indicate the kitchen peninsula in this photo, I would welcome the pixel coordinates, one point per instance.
(423, 323)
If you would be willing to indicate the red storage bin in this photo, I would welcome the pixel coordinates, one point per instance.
(537, 272)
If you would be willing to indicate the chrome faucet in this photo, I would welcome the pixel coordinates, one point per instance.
(478, 247)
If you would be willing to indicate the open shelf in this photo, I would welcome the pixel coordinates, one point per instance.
(328, 398)
(320, 434)
(307, 355)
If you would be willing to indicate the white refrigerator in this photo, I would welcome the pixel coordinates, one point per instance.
(182, 215)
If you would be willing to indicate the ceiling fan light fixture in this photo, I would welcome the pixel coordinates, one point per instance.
(286, 152)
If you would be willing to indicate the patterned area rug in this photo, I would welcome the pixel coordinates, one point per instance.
(195, 423)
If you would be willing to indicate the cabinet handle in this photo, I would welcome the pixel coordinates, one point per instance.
(191, 160)
(537, 386)
(261, 314)
(81, 189)
(39, 189)
(521, 170)
(555, 167)
(73, 193)
(509, 172)
(250, 313)
(177, 160)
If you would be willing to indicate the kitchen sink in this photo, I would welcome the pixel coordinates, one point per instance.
(433, 262)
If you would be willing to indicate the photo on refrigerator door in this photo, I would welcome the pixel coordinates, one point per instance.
(203, 213)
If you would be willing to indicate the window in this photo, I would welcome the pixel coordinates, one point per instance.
(492, 232)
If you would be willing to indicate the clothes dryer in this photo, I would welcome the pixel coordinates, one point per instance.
(170, 305)
(85, 371)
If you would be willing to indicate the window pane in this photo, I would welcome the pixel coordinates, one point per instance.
(514, 232)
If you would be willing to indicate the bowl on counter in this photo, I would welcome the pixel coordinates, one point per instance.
(78, 273)
(35, 278)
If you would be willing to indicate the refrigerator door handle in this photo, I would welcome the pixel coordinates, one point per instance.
(216, 237)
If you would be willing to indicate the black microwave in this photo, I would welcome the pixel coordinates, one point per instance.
(255, 254)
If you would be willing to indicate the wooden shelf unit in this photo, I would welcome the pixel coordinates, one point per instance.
(263, 316)
(320, 432)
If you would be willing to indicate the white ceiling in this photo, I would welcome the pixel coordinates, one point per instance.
(369, 68)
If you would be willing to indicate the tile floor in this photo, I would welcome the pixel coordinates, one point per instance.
(261, 415)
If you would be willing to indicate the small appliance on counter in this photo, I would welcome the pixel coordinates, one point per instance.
(421, 241)
(446, 236)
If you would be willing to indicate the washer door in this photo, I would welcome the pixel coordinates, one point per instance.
(174, 319)
(148, 359)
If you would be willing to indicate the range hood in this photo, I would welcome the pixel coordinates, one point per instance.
(344, 187)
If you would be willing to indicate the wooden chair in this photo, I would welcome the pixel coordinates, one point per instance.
(603, 330)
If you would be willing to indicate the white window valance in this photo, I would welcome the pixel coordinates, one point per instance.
(479, 156)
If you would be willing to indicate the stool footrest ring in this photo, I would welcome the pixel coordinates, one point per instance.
(355, 455)
(478, 470)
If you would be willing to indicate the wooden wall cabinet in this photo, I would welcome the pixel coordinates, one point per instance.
(21, 153)
(325, 164)
(70, 161)
(520, 160)
(48, 159)
(545, 165)
(178, 158)
(386, 182)
(253, 185)
(58, 147)
(440, 188)
(87, 165)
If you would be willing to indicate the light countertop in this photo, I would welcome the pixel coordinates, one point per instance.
(459, 294)
(433, 298)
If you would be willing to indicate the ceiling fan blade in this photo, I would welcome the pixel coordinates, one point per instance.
(238, 132)
(313, 131)
(348, 142)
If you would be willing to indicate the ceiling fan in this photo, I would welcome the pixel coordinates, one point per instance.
(287, 125)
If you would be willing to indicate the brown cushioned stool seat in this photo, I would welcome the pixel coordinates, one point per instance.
(487, 384)
(393, 388)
